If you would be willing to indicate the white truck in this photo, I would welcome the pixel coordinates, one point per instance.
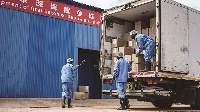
(176, 78)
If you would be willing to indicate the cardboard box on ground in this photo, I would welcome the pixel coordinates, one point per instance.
(79, 96)
(84, 89)
(82, 94)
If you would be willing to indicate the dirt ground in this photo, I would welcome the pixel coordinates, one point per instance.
(88, 105)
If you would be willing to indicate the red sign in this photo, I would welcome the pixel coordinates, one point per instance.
(55, 10)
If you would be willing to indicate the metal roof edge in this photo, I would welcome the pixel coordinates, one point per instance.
(182, 5)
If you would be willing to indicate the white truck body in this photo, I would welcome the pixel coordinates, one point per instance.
(177, 50)
(177, 32)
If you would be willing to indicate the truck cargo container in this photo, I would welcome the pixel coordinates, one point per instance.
(176, 61)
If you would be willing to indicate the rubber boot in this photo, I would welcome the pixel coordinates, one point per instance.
(63, 101)
(69, 103)
(147, 66)
(127, 105)
(122, 102)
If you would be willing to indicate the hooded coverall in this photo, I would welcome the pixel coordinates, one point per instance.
(146, 43)
(67, 80)
(121, 70)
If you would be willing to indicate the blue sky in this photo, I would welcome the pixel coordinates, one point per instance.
(106, 4)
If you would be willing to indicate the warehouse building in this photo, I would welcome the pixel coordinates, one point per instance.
(37, 37)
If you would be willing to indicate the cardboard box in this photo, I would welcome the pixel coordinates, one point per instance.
(139, 59)
(152, 33)
(114, 51)
(126, 37)
(127, 50)
(145, 31)
(137, 50)
(79, 96)
(132, 44)
(118, 43)
(86, 95)
(139, 25)
(84, 89)
(153, 22)
(114, 59)
(139, 31)
(128, 58)
(137, 67)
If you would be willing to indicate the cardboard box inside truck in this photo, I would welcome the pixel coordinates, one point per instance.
(145, 31)
(132, 44)
(128, 58)
(139, 59)
(114, 51)
(137, 67)
(114, 59)
(118, 43)
(152, 33)
(126, 37)
(127, 50)
(153, 22)
(139, 25)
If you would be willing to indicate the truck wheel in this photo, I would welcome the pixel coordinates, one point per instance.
(161, 104)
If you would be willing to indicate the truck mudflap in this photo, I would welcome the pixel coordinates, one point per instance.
(142, 74)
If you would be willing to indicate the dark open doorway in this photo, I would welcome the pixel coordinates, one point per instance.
(88, 75)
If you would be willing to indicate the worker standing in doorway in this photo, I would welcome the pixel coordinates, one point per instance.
(67, 77)
(122, 67)
(146, 43)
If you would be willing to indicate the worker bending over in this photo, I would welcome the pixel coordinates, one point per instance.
(146, 43)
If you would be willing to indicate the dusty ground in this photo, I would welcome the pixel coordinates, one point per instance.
(88, 105)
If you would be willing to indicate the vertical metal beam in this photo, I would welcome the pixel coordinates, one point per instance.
(158, 36)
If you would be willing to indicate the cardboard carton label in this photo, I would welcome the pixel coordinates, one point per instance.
(114, 50)
(114, 41)
(130, 43)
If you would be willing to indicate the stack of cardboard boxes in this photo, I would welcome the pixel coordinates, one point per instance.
(82, 94)
(129, 48)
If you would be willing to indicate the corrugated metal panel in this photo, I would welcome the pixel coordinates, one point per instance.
(14, 35)
(33, 50)
(87, 37)
(50, 44)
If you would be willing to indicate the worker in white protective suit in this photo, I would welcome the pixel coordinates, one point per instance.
(67, 77)
(122, 67)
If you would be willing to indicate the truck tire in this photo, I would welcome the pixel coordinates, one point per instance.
(161, 104)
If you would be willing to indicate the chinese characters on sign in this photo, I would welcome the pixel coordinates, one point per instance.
(55, 10)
